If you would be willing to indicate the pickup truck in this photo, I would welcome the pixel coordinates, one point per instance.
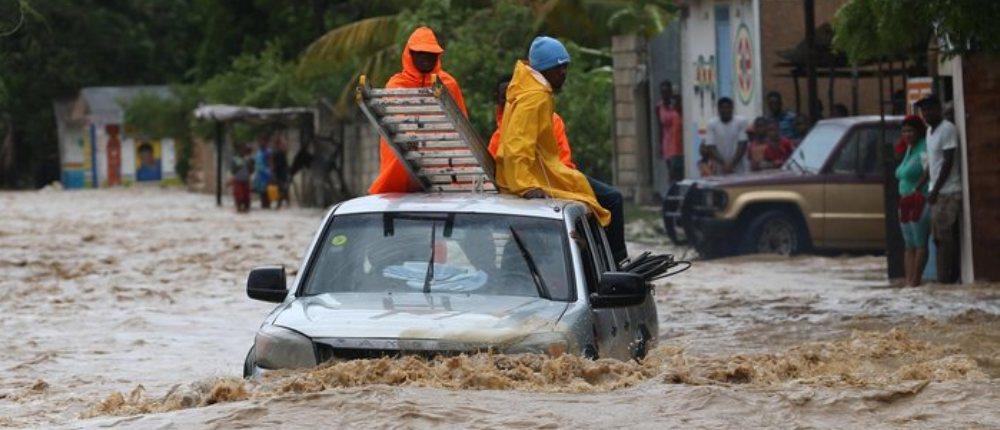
(452, 273)
(827, 195)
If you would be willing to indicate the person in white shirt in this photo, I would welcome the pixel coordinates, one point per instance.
(726, 141)
(945, 194)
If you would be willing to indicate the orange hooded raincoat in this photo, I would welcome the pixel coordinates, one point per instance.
(392, 177)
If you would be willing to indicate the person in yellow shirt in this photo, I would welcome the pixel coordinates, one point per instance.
(528, 157)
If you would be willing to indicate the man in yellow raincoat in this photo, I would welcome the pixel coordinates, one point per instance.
(527, 160)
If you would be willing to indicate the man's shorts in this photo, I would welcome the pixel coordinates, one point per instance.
(944, 216)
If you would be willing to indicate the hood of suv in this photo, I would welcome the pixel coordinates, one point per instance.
(767, 177)
(479, 319)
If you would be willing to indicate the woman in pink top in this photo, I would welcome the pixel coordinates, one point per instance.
(671, 144)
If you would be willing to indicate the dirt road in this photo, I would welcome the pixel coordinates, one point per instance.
(121, 303)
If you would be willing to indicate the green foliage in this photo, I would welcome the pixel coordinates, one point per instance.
(585, 105)
(870, 29)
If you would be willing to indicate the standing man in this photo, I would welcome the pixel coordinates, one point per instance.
(527, 160)
(421, 59)
(726, 141)
(945, 195)
(776, 112)
(671, 143)
(608, 196)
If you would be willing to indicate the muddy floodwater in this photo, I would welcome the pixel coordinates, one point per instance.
(126, 309)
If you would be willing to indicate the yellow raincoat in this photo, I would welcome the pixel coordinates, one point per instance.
(529, 155)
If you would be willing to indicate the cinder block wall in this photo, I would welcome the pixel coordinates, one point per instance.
(632, 169)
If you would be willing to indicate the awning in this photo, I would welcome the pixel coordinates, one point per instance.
(229, 113)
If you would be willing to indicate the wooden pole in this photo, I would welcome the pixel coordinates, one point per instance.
(219, 131)
(893, 236)
(854, 89)
(811, 88)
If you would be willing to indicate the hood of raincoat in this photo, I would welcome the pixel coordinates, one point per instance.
(422, 40)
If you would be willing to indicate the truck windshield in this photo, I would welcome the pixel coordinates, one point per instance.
(469, 254)
(814, 150)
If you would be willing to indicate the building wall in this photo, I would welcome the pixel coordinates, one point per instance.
(700, 68)
(981, 94)
(782, 28)
(631, 169)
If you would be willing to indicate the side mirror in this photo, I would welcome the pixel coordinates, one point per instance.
(267, 283)
(619, 289)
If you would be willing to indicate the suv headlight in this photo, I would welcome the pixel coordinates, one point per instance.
(280, 348)
(553, 344)
(716, 199)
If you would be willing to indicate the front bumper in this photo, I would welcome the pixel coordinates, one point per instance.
(689, 218)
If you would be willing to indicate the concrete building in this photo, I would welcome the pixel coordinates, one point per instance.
(96, 149)
(741, 49)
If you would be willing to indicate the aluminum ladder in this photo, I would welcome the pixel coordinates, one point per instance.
(430, 136)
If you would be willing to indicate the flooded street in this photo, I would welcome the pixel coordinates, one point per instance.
(127, 308)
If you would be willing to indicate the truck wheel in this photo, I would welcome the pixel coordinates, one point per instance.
(248, 364)
(774, 232)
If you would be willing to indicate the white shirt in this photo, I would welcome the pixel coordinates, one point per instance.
(941, 138)
(726, 136)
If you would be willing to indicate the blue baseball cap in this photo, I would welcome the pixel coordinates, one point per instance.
(547, 53)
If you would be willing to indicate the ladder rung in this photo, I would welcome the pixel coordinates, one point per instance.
(416, 119)
(463, 187)
(444, 162)
(403, 101)
(433, 145)
(425, 109)
(381, 92)
(434, 126)
(427, 137)
(419, 154)
(449, 170)
(448, 179)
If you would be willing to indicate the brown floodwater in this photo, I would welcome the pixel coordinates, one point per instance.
(126, 308)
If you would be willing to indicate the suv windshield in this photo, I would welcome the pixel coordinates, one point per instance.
(469, 254)
(814, 150)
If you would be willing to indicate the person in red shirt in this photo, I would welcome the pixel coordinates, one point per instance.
(769, 149)
(421, 60)
(671, 143)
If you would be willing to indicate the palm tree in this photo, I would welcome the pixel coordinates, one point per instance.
(370, 42)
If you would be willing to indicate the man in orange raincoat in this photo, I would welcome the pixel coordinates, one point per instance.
(421, 60)
(606, 195)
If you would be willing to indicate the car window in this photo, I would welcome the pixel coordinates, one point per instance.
(472, 254)
(861, 154)
(580, 235)
(815, 149)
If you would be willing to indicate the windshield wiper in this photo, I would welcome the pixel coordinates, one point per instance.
(536, 276)
(430, 263)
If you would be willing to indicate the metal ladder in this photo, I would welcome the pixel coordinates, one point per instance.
(430, 136)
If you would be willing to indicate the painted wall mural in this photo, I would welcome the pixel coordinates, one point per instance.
(743, 52)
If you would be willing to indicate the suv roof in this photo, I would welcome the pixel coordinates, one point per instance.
(488, 203)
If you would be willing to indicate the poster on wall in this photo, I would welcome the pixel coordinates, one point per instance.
(147, 161)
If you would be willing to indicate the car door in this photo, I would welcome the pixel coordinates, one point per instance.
(606, 320)
(623, 329)
(853, 192)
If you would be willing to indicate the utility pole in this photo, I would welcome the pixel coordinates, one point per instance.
(811, 91)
